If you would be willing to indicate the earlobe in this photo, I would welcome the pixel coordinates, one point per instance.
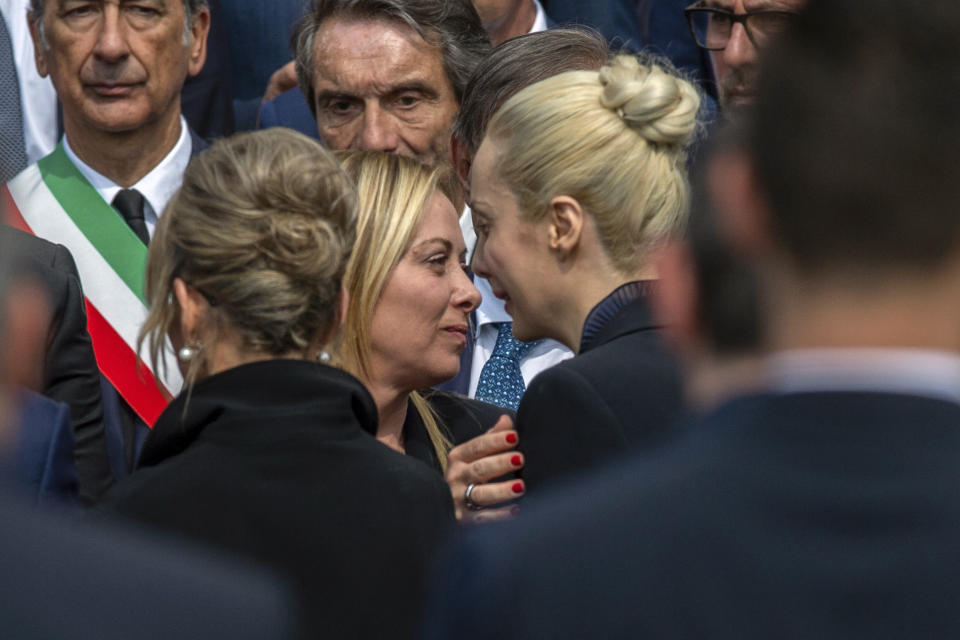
(565, 219)
(192, 305)
(198, 43)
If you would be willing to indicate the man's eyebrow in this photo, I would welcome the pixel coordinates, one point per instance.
(413, 85)
(334, 95)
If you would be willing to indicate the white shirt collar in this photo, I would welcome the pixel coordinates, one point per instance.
(540, 22)
(918, 372)
(157, 187)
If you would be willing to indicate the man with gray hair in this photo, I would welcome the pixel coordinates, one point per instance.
(388, 75)
(118, 68)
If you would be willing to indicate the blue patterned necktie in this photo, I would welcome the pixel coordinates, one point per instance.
(13, 157)
(501, 382)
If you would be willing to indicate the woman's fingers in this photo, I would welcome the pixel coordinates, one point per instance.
(500, 438)
(491, 467)
(493, 494)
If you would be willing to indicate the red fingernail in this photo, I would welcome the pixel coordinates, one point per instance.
(511, 438)
(517, 487)
(516, 461)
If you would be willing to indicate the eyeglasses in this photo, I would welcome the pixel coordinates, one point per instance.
(711, 27)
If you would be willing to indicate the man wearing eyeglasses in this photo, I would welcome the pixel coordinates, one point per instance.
(733, 32)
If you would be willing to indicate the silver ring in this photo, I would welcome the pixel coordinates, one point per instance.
(468, 499)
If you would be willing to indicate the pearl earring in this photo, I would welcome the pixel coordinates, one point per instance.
(187, 353)
(324, 357)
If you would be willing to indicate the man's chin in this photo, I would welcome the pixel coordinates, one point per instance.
(737, 103)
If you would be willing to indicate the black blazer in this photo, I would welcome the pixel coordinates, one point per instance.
(816, 515)
(70, 373)
(622, 391)
(277, 461)
(462, 418)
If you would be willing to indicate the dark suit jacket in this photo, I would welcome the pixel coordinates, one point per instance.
(617, 20)
(258, 35)
(290, 110)
(43, 452)
(621, 392)
(816, 515)
(61, 579)
(71, 375)
(207, 98)
(276, 460)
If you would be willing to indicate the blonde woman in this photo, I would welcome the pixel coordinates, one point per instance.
(407, 322)
(267, 452)
(578, 179)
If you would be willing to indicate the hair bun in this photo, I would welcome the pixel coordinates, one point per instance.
(657, 105)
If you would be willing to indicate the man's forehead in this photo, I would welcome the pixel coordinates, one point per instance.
(63, 4)
(374, 55)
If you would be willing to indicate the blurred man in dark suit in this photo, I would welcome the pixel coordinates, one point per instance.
(826, 505)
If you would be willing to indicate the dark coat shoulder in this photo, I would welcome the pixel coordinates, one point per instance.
(622, 393)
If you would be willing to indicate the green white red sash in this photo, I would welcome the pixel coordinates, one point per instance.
(53, 200)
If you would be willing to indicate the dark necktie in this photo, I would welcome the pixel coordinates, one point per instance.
(501, 382)
(13, 157)
(129, 204)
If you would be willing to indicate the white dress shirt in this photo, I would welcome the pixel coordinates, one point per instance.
(540, 22)
(917, 372)
(38, 100)
(157, 187)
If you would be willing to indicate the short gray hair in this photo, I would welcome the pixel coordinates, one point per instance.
(451, 25)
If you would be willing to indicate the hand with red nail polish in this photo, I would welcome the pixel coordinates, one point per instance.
(477, 463)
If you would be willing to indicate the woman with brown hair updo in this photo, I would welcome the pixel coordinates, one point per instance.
(268, 452)
(407, 323)
(578, 180)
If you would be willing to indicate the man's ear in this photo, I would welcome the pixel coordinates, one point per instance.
(192, 309)
(39, 51)
(741, 209)
(462, 160)
(199, 31)
(565, 220)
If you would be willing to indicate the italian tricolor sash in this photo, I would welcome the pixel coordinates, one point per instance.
(53, 200)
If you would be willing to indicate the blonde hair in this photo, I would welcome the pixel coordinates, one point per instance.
(262, 226)
(615, 140)
(393, 192)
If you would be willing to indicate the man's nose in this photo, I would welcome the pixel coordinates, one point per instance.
(112, 38)
(740, 51)
(379, 131)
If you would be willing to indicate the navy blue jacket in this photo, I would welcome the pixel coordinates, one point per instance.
(814, 515)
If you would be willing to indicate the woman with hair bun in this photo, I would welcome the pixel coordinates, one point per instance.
(578, 179)
(267, 452)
